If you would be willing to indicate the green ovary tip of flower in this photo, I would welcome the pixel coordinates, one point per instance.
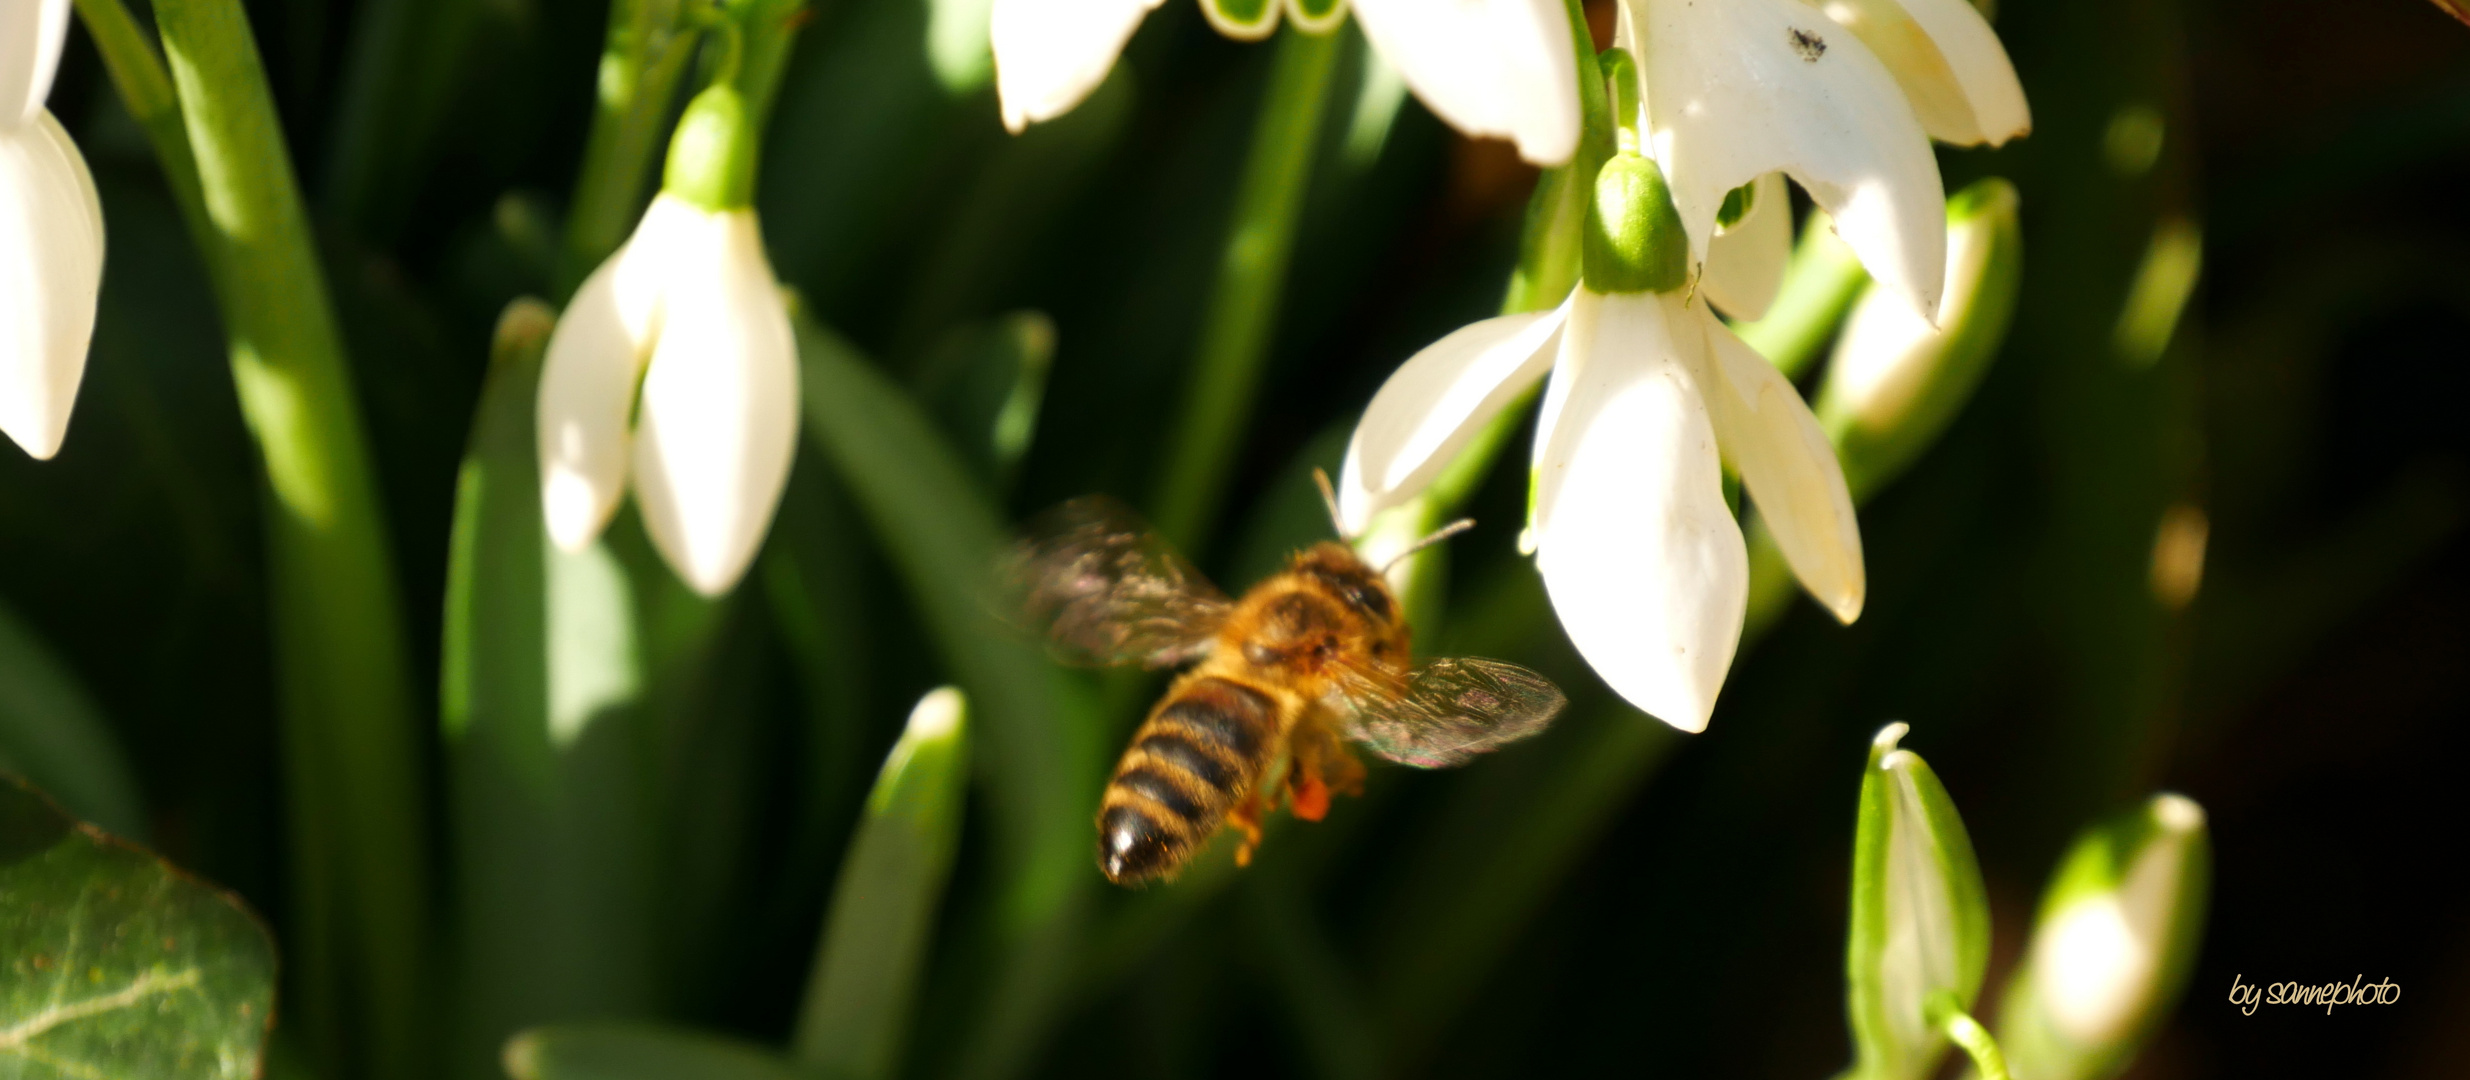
(1634, 241)
(712, 155)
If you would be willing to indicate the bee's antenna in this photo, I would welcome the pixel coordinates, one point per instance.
(1329, 500)
(1438, 535)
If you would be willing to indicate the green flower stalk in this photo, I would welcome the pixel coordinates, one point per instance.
(360, 859)
(2112, 948)
(1920, 935)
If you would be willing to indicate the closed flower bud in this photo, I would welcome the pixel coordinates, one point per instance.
(1896, 381)
(2110, 953)
(1920, 916)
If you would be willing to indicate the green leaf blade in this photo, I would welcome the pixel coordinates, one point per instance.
(113, 963)
(883, 908)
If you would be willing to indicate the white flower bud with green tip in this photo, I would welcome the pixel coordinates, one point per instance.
(1920, 936)
(1650, 395)
(675, 366)
(51, 236)
(1896, 382)
(1490, 68)
(2111, 952)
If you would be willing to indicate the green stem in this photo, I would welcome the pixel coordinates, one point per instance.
(1819, 287)
(1243, 305)
(403, 70)
(770, 32)
(645, 55)
(359, 857)
(1548, 262)
(1968, 1034)
(146, 89)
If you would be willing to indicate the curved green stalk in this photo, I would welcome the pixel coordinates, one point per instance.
(359, 856)
(146, 90)
(1968, 1034)
(646, 54)
(1243, 304)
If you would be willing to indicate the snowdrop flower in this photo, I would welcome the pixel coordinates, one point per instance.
(1650, 395)
(1498, 68)
(1843, 97)
(675, 365)
(51, 236)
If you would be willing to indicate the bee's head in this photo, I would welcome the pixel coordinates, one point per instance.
(1358, 587)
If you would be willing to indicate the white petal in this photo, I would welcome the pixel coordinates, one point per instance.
(1745, 263)
(1434, 403)
(1949, 62)
(1642, 559)
(1742, 88)
(719, 421)
(1500, 68)
(1790, 469)
(587, 380)
(30, 35)
(1049, 54)
(51, 270)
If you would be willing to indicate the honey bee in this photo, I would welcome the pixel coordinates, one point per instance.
(1280, 680)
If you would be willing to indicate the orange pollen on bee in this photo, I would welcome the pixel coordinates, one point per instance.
(1309, 798)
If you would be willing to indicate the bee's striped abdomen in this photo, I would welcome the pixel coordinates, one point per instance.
(1201, 750)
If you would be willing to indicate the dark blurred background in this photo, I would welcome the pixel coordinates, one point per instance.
(1684, 900)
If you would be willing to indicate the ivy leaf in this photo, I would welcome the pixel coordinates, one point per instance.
(113, 963)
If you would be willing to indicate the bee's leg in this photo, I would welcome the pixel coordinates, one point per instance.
(1323, 766)
(1246, 817)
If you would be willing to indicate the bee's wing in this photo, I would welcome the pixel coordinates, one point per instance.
(1446, 712)
(1105, 589)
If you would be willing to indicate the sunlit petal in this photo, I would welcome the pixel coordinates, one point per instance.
(1745, 263)
(1785, 461)
(1739, 89)
(719, 420)
(1642, 559)
(1502, 68)
(51, 269)
(1434, 403)
(1049, 54)
(1949, 62)
(595, 357)
(30, 35)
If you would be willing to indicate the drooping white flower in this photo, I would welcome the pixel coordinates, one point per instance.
(51, 236)
(1843, 100)
(1650, 396)
(1491, 68)
(674, 366)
